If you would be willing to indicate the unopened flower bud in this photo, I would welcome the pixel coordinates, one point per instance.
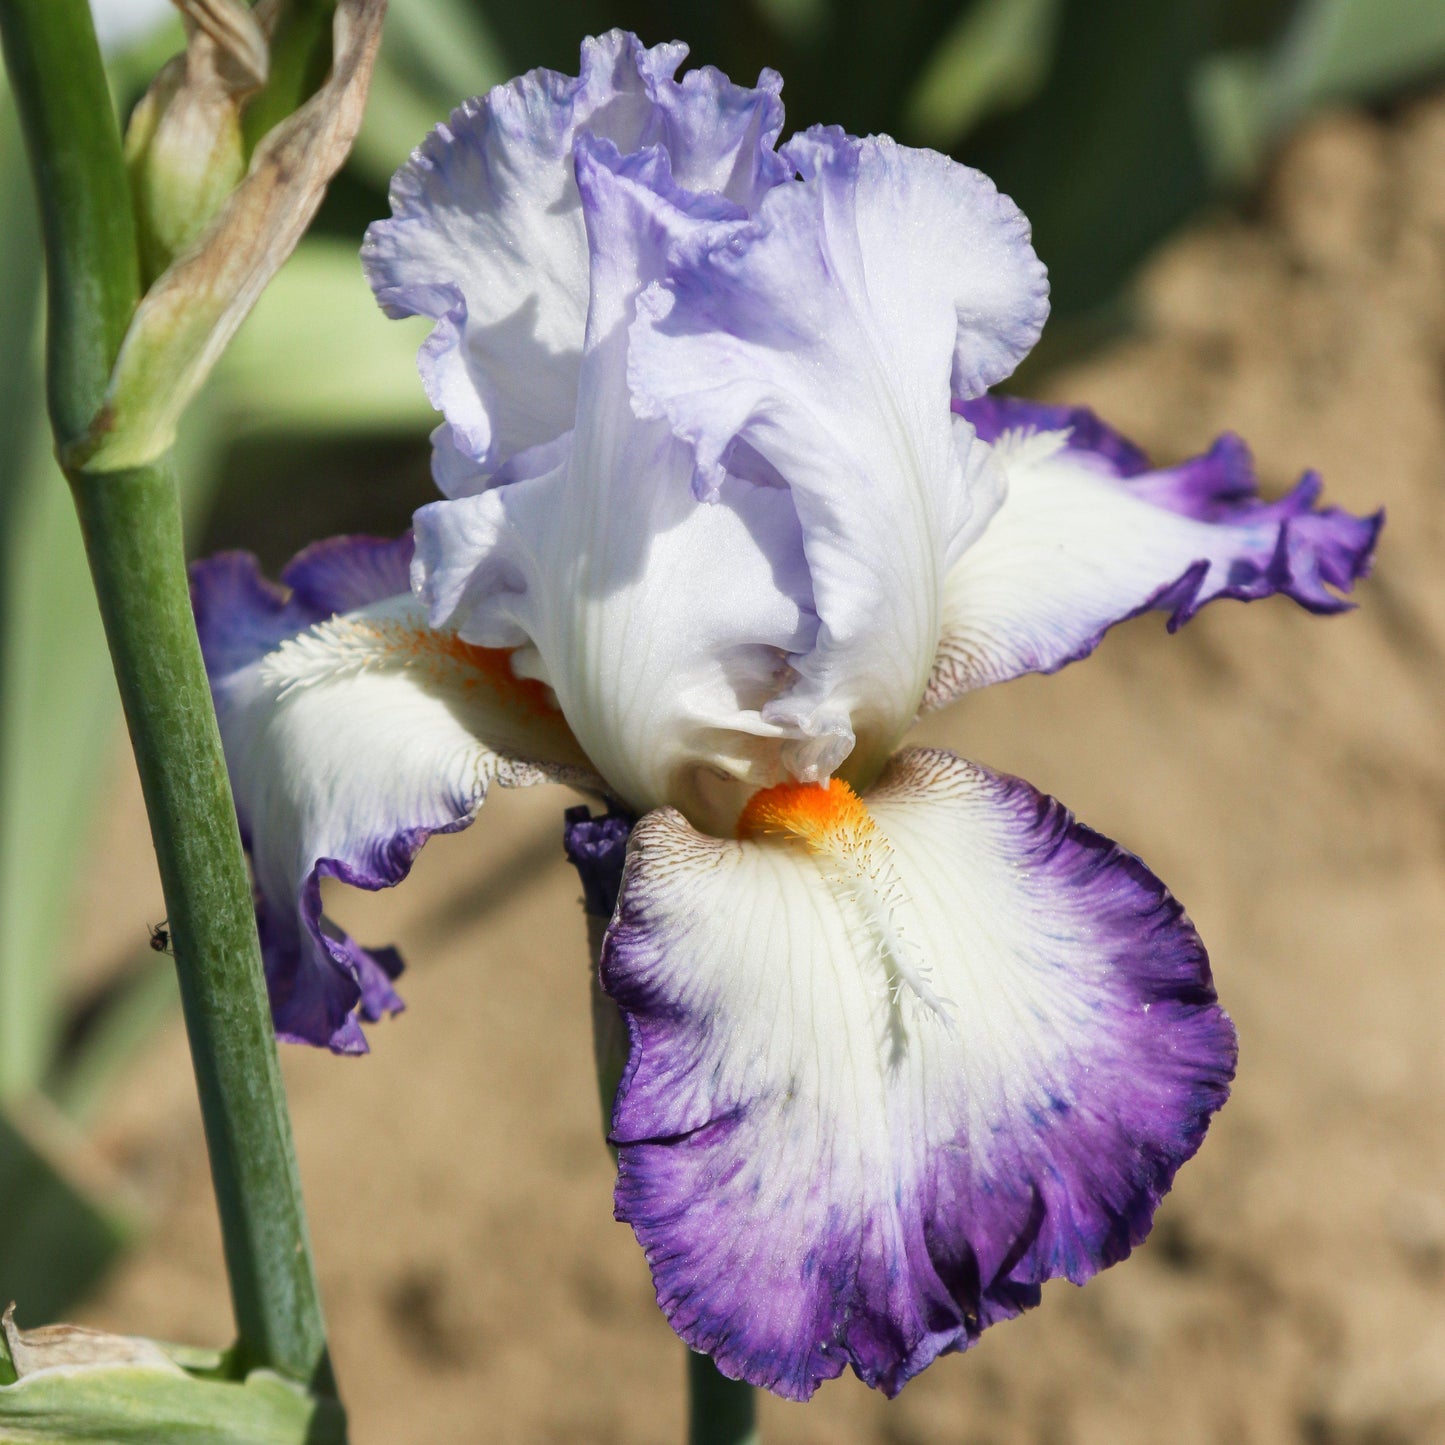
(184, 145)
(217, 217)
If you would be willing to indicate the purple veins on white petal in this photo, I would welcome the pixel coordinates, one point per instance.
(813, 1193)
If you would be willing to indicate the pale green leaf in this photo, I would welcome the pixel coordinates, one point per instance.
(61, 1221)
(996, 56)
(137, 1406)
(1340, 49)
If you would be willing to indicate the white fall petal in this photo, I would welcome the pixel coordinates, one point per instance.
(1087, 534)
(351, 737)
(833, 1162)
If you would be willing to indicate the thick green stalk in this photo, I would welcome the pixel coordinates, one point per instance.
(132, 527)
(131, 522)
(720, 1411)
(85, 211)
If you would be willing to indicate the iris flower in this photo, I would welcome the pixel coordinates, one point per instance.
(725, 507)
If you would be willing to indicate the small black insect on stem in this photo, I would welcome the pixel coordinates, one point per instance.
(161, 936)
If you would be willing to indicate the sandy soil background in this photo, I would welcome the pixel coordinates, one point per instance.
(1284, 774)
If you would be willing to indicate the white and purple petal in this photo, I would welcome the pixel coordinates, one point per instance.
(820, 342)
(487, 237)
(824, 1170)
(993, 415)
(1088, 535)
(353, 732)
(661, 623)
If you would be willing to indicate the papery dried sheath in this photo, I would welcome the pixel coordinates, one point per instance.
(186, 318)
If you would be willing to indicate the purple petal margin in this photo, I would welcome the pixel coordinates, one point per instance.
(1312, 551)
(241, 614)
(320, 981)
(991, 416)
(834, 1269)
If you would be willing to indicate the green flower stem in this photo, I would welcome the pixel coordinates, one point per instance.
(85, 210)
(300, 58)
(132, 527)
(131, 522)
(720, 1411)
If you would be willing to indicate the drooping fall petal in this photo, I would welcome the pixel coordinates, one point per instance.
(353, 732)
(895, 1063)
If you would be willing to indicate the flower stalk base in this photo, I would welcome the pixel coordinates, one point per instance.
(132, 528)
(131, 522)
(720, 1411)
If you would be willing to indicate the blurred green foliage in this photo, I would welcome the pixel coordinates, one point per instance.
(62, 1228)
(1111, 123)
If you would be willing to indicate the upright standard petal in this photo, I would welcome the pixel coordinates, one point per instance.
(353, 732)
(1088, 535)
(487, 236)
(892, 1067)
(661, 622)
(823, 338)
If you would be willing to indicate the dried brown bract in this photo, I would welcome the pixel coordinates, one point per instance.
(196, 304)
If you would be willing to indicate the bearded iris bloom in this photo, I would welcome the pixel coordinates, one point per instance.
(726, 505)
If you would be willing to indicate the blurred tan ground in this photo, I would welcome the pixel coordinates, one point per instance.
(1284, 774)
